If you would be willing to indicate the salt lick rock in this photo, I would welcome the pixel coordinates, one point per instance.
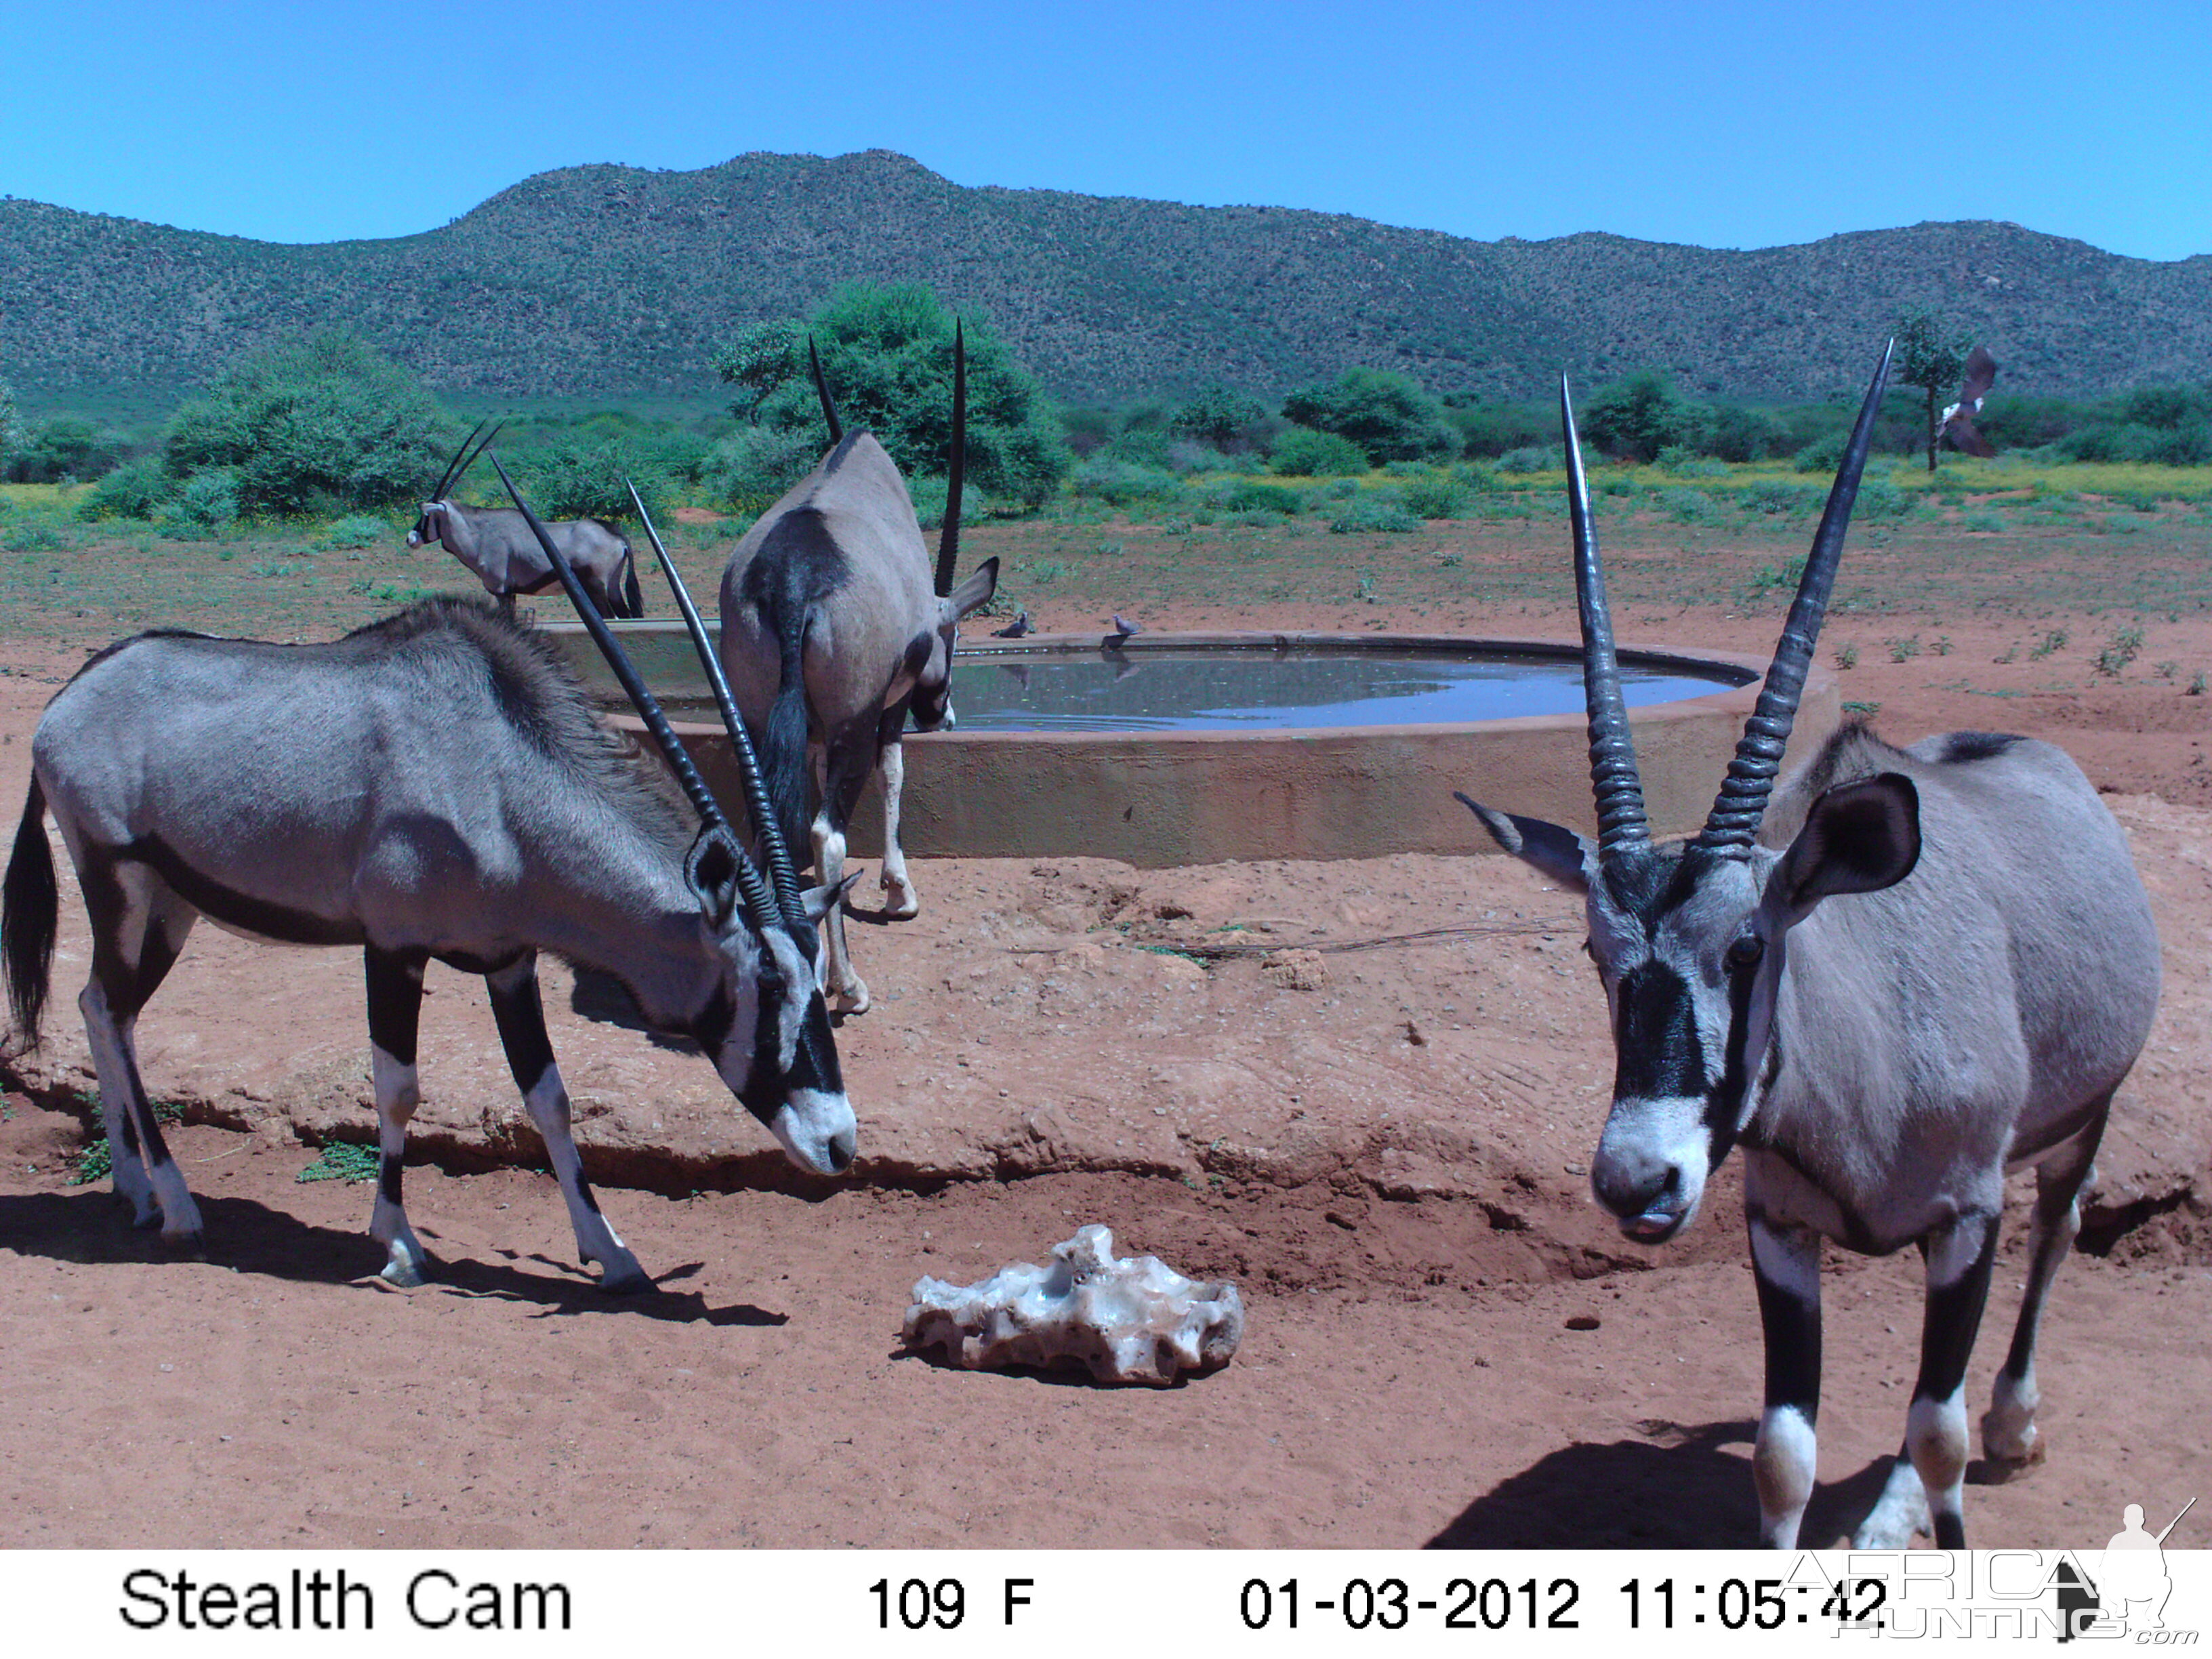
(1130, 1319)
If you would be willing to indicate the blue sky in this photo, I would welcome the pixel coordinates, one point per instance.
(1725, 124)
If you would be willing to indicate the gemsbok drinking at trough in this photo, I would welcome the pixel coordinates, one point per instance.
(419, 789)
(1910, 968)
(498, 545)
(833, 633)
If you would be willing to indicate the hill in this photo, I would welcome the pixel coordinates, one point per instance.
(616, 282)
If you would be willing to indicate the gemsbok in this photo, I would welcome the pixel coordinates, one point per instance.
(498, 544)
(419, 789)
(1918, 967)
(834, 633)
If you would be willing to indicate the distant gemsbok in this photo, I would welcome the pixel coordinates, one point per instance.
(833, 633)
(419, 789)
(498, 545)
(1922, 965)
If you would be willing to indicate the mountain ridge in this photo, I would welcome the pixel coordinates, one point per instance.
(604, 279)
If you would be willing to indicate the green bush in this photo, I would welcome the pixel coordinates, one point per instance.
(1822, 454)
(1434, 496)
(316, 423)
(63, 450)
(1687, 505)
(1775, 496)
(1388, 416)
(887, 353)
(1301, 451)
(1251, 496)
(928, 496)
(11, 424)
(575, 479)
(1235, 422)
(1732, 433)
(1142, 446)
(204, 503)
(1374, 510)
(751, 467)
(1533, 458)
(357, 529)
(134, 491)
(1120, 482)
(1638, 416)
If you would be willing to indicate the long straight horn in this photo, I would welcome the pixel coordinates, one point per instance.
(1620, 820)
(781, 872)
(948, 541)
(453, 467)
(1742, 799)
(822, 390)
(462, 470)
(664, 735)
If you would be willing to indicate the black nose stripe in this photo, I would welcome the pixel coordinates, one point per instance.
(1657, 1050)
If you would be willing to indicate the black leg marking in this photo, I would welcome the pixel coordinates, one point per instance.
(395, 1001)
(520, 1016)
(1792, 1328)
(1954, 1318)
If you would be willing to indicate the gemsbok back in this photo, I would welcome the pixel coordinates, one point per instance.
(833, 633)
(499, 547)
(419, 789)
(1914, 968)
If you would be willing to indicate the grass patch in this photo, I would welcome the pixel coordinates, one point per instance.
(342, 1160)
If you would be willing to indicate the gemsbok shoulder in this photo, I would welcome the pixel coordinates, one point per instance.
(420, 789)
(1909, 970)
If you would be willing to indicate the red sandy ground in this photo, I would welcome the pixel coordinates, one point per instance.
(1409, 1376)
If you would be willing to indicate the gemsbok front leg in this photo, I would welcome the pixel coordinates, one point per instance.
(395, 1007)
(520, 1014)
(1925, 1492)
(1785, 1262)
(900, 900)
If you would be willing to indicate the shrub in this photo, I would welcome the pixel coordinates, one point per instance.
(887, 352)
(1434, 496)
(759, 359)
(1230, 421)
(316, 423)
(753, 466)
(11, 424)
(1638, 416)
(928, 496)
(1251, 496)
(1735, 434)
(1533, 458)
(1304, 452)
(1145, 445)
(1374, 510)
(134, 491)
(1685, 505)
(357, 529)
(1120, 482)
(64, 450)
(204, 504)
(1775, 496)
(1388, 416)
(1822, 454)
(575, 479)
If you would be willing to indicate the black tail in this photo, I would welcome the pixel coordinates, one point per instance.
(783, 746)
(30, 909)
(633, 599)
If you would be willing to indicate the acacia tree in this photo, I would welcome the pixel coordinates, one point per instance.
(1930, 355)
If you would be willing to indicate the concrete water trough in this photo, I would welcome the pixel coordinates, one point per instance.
(1176, 749)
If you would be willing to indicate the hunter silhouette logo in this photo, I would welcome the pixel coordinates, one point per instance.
(2129, 1593)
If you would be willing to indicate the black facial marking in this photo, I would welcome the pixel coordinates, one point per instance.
(711, 1028)
(1657, 1051)
(1724, 1109)
(1977, 745)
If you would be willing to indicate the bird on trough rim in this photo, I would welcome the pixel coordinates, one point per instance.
(1958, 420)
(1014, 629)
(1123, 629)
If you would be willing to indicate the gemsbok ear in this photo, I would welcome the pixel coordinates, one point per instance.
(819, 902)
(1858, 838)
(974, 593)
(710, 870)
(1562, 854)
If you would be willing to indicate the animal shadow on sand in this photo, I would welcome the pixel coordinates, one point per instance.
(249, 1237)
(1676, 1486)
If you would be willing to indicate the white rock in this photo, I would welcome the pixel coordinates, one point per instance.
(1130, 1320)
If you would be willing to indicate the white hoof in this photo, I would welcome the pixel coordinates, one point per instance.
(901, 902)
(850, 999)
(2011, 1440)
(403, 1270)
